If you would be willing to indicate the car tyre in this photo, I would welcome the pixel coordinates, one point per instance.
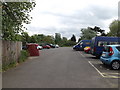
(115, 65)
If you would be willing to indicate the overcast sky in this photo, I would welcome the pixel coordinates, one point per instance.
(69, 16)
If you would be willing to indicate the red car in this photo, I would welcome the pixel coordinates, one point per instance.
(46, 47)
(87, 49)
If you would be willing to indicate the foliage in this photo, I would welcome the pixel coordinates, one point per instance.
(11, 65)
(40, 38)
(57, 38)
(69, 43)
(114, 28)
(79, 39)
(25, 38)
(87, 34)
(73, 38)
(23, 56)
(14, 14)
(98, 30)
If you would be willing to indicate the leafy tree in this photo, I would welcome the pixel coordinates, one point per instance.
(14, 14)
(79, 39)
(69, 43)
(114, 28)
(25, 38)
(98, 30)
(87, 33)
(40, 39)
(73, 38)
(33, 39)
(57, 38)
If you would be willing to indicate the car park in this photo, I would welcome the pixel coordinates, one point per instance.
(111, 56)
(98, 43)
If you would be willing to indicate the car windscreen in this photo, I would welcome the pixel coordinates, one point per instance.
(118, 48)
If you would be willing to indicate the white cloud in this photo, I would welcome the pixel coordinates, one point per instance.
(69, 16)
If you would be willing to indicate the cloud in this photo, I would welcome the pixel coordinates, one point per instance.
(69, 16)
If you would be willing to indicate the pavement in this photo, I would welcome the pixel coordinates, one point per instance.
(61, 68)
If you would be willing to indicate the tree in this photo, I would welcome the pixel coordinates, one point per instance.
(79, 39)
(14, 14)
(114, 28)
(25, 38)
(98, 30)
(73, 38)
(57, 38)
(87, 33)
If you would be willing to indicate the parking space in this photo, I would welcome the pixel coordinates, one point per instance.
(103, 70)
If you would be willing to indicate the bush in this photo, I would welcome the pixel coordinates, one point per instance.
(23, 56)
(69, 43)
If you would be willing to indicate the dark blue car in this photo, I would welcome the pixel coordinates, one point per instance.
(98, 43)
(82, 44)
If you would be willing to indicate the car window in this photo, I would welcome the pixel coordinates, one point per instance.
(101, 43)
(118, 48)
(114, 43)
(87, 43)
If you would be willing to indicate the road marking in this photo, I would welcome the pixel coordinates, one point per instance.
(82, 54)
(96, 69)
(105, 75)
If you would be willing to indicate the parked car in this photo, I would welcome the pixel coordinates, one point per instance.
(24, 47)
(82, 44)
(76, 47)
(46, 47)
(111, 56)
(39, 47)
(51, 45)
(57, 46)
(98, 43)
(87, 49)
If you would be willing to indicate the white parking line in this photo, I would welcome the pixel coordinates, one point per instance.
(96, 69)
(82, 54)
(105, 75)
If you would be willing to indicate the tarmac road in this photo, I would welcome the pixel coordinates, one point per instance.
(56, 68)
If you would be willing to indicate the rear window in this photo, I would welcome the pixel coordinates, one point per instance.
(118, 48)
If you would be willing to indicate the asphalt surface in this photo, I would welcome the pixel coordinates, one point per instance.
(59, 68)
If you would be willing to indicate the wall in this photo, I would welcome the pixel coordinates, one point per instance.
(10, 51)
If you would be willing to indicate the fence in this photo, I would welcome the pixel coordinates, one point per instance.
(10, 51)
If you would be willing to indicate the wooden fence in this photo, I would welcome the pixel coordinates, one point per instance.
(10, 51)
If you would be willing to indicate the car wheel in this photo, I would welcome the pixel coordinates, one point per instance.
(115, 65)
